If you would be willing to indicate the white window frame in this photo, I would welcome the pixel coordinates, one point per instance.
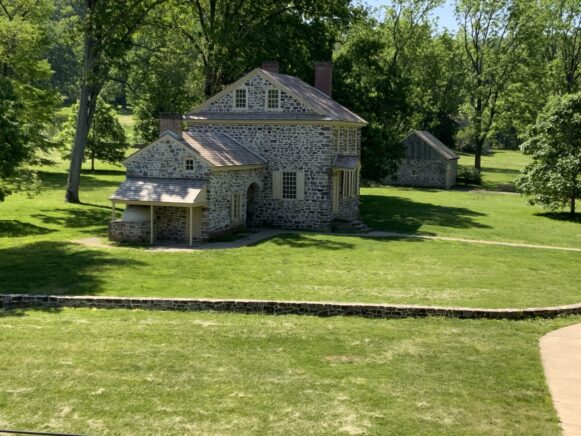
(186, 160)
(236, 211)
(240, 108)
(266, 99)
(286, 175)
(278, 182)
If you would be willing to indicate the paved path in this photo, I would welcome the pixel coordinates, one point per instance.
(561, 356)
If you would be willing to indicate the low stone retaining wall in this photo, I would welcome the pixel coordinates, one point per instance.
(17, 301)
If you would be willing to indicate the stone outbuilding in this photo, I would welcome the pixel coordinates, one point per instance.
(427, 162)
(268, 150)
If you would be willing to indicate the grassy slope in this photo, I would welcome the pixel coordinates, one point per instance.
(124, 372)
(499, 169)
(37, 253)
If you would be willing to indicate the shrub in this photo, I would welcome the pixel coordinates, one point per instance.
(468, 176)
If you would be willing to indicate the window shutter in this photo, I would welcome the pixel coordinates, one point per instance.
(277, 185)
(300, 185)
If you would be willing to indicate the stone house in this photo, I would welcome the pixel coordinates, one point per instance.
(268, 150)
(427, 163)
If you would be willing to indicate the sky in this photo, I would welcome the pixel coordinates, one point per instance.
(444, 14)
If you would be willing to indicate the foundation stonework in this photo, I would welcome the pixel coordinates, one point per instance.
(127, 231)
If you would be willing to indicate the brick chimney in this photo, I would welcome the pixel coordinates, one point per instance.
(170, 121)
(270, 66)
(324, 77)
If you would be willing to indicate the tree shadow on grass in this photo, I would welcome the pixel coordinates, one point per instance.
(76, 217)
(15, 228)
(56, 268)
(294, 240)
(89, 180)
(403, 215)
(561, 216)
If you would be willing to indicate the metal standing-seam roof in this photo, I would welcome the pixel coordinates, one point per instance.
(345, 162)
(157, 190)
(436, 144)
(220, 150)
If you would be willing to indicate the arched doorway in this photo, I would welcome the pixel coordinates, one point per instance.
(251, 204)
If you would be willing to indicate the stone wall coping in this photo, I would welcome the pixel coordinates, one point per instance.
(280, 307)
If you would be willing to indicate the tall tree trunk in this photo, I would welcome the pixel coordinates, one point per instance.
(572, 205)
(92, 162)
(87, 105)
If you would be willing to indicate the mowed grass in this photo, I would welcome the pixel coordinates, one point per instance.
(134, 372)
(499, 168)
(40, 253)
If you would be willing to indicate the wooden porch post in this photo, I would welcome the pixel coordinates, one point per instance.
(151, 224)
(191, 224)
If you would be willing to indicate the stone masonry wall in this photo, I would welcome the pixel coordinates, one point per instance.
(428, 173)
(223, 185)
(256, 99)
(126, 231)
(170, 224)
(308, 148)
(269, 307)
(166, 158)
(348, 208)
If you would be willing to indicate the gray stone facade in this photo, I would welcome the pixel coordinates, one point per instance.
(165, 158)
(128, 231)
(429, 173)
(309, 148)
(256, 89)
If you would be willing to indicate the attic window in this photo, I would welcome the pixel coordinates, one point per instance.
(273, 99)
(240, 98)
(189, 165)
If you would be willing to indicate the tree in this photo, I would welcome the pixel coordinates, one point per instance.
(106, 140)
(107, 31)
(232, 36)
(26, 100)
(494, 36)
(553, 179)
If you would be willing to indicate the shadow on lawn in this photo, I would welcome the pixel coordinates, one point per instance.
(403, 215)
(89, 180)
(561, 216)
(75, 217)
(307, 241)
(15, 228)
(55, 268)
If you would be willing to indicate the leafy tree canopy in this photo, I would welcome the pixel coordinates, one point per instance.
(553, 179)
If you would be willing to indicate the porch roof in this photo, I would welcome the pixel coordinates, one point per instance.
(177, 192)
(345, 162)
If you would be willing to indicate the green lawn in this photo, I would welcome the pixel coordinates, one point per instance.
(499, 169)
(38, 253)
(134, 372)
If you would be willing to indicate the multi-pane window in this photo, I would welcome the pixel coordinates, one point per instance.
(189, 164)
(236, 206)
(348, 183)
(289, 184)
(346, 140)
(240, 98)
(273, 99)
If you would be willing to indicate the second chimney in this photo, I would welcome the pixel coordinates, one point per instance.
(170, 121)
(270, 66)
(324, 77)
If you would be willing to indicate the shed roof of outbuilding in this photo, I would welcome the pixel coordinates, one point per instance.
(435, 143)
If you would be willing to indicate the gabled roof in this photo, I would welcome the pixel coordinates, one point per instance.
(156, 190)
(435, 143)
(220, 150)
(215, 149)
(325, 108)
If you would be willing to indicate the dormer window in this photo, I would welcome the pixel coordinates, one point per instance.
(273, 99)
(240, 100)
